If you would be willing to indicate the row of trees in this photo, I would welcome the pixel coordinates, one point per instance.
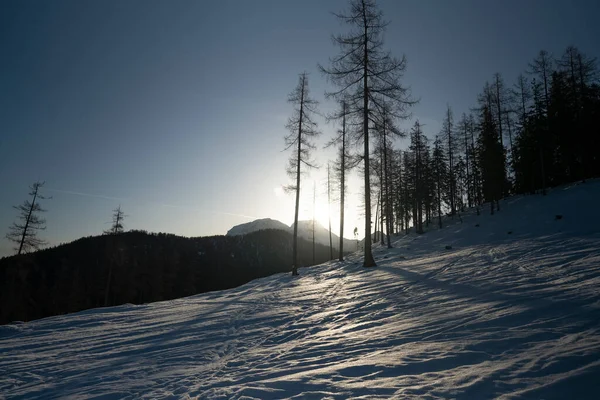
(24, 232)
(549, 116)
(368, 88)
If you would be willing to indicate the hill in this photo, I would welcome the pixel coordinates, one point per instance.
(139, 267)
(304, 231)
(257, 225)
(511, 310)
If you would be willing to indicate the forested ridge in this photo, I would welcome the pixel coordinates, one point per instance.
(139, 267)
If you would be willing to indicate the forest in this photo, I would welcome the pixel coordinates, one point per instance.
(524, 137)
(138, 267)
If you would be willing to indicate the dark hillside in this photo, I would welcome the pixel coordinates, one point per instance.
(138, 267)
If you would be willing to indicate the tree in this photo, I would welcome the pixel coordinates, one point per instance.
(302, 129)
(364, 73)
(24, 232)
(386, 129)
(449, 136)
(114, 249)
(491, 159)
(117, 222)
(418, 146)
(329, 210)
(464, 126)
(440, 171)
(542, 67)
(344, 163)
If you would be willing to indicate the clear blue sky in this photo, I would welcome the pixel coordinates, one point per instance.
(176, 109)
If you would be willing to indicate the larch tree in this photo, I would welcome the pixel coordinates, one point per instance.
(116, 255)
(344, 162)
(464, 129)
(117, 222)
(542, 66)
(418, 146)
(386, 130)
(491, 158)
(364, 72)
(449, 137)
(303, 129)
(439, 170)
(329, 210)
(24, 231)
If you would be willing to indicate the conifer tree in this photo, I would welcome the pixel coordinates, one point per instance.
(303, 129)
(491, 159)
(117, 222)
(364, 72)
(24, 232)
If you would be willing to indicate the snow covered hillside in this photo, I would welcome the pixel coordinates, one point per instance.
(512, 310)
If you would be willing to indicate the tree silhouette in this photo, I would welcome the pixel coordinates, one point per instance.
(117, 222)
(364, 73)
(24, 232)
(302, 129)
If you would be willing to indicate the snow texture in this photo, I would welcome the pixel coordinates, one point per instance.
(499, 315)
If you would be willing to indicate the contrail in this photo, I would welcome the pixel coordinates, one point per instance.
(158, 204)
(99, 196)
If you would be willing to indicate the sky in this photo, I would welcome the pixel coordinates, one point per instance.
(176, 110)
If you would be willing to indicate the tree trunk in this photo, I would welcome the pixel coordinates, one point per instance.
(24, 235)
(342, 183)
(295, 244)
(368, 261)
(329, 212)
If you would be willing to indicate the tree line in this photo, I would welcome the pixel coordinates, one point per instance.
(549, 116)
(138, 267)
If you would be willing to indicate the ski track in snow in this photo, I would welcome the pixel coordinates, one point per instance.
(498, 316)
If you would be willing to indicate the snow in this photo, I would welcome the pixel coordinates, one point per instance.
(508, 316)
(257, 225)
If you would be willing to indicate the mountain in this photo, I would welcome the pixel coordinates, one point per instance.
(304, 231)
(503, 306)
(257, 225)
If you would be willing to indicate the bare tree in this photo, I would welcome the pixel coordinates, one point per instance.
(117, 222)
(542, 66)
(344, 163)
(449, 136)
(363, 73)
(302, 129)
(24, 232)
(522, 93)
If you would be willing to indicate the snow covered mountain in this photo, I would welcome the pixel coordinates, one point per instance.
(510, 311)
(304, 231)
(257, 225)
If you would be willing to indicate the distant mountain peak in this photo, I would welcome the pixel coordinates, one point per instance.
(257, 225)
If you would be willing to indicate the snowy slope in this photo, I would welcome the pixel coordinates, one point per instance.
(257, 225)
(498, 316)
